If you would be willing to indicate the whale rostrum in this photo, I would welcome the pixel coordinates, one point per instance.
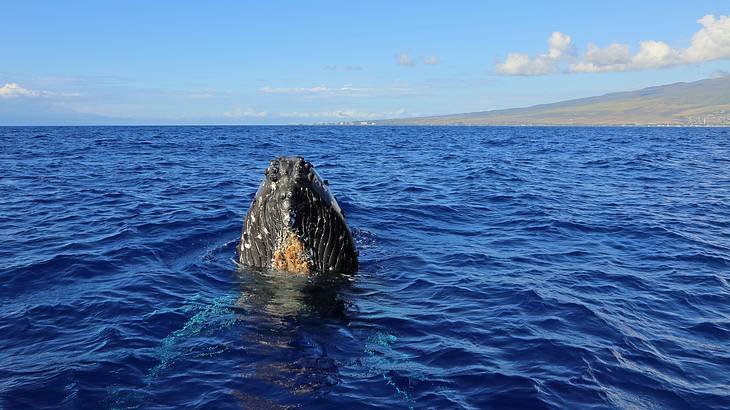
(295, 223)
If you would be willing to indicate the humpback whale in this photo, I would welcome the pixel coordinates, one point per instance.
(295, 223)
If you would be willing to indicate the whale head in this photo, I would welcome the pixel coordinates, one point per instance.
(295, 223)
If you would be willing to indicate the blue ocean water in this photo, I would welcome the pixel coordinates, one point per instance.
(500, 268)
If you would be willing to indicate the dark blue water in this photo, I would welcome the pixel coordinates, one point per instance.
(500, 268)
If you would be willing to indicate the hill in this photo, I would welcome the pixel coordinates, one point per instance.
(704, 102)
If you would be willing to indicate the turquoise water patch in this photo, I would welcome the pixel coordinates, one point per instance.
(207, 318)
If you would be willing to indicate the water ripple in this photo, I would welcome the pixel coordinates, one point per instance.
(500, 268)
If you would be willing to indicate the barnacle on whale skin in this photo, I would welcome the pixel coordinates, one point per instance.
(291, 256)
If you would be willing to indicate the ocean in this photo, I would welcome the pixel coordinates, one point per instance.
(500, 267)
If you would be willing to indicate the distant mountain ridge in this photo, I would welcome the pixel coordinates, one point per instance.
(704, 102)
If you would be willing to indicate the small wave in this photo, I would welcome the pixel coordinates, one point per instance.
(522, 267)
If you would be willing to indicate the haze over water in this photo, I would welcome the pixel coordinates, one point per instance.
(500, 268)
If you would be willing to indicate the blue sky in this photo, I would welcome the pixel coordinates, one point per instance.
(227, 62)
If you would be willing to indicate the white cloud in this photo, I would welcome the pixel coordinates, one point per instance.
(654, 54)
(559, 44)
(239, 112)
(12, 90)
(345, 90)
(613, 54)
(433, 60)
(295, 90)
(521, 64)
(616, 57)
(711, 42)
(405, 59)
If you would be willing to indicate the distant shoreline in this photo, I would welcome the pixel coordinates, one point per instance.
(383, 125)
(698, 104)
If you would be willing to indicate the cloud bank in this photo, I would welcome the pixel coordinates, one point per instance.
(13, 90)
(711, 42)
(346, 90)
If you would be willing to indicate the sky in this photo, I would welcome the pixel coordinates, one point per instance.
(282, 62)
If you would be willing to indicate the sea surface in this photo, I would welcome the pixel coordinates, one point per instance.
(510, 268)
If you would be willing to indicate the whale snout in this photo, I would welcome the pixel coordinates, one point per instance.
(289, 169)
(295, 222)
